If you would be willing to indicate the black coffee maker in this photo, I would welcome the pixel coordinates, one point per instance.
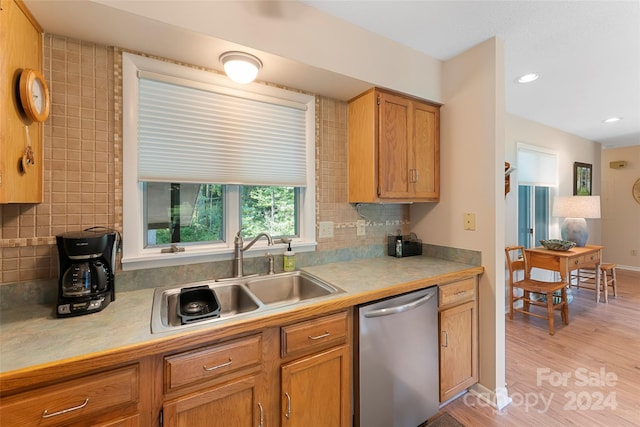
(86, 282)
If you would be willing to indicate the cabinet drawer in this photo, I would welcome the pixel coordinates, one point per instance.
(457, 292)
(212, 362)
(315, 334)
(73, 401)
(589, 260)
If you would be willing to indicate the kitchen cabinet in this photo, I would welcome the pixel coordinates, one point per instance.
(316, 390)
(236, 383)
(458, 323)
(316, 386)
(224, 384)
(234, 404)
(21, 47)
(101, 399)
(394, 148)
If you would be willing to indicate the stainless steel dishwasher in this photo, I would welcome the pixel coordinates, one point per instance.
(397, 365)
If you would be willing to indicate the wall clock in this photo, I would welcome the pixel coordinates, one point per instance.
(34, 95)
(635, 190)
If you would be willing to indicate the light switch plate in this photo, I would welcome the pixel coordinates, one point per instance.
(361, 227)
(325, 229)
(470, 221)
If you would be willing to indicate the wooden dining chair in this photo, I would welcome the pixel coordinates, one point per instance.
(517, 262)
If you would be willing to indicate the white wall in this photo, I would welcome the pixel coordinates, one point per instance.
(303, 34)
(570, 149)
(472, 178)
(620, 213)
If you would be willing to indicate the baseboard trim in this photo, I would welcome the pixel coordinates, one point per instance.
(497, 399)
(628, 267)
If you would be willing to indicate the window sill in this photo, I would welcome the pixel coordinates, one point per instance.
(157, 259)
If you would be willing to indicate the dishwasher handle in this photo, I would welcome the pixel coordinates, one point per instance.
(387, 311)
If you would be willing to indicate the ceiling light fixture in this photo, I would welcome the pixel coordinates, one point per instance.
(528, 78)
(241, 67)
(612, 120)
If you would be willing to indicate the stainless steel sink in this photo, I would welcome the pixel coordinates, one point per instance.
(234, 299)
(289, 288)
(241, 296)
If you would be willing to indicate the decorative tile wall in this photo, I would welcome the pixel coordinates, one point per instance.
(78, 161)
(83, 172)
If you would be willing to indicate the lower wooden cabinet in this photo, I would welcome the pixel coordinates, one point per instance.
(316, 390)
(99, 399)
(295, 375)
(234, 404)
(315, 373)
(458, 322)
(133, 421)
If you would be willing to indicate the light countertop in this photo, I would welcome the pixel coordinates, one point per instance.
(32, 336)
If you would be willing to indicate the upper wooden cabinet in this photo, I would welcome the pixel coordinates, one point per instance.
(21, 47)
(394, 148)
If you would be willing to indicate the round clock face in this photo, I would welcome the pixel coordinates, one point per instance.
(635, 190)
(38, 96)
(34, 95)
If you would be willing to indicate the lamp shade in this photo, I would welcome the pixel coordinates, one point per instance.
(577, 207)
(574, 210)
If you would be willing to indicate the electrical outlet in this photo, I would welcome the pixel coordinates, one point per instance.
(325, 229)
(470, 221)
(361, 227)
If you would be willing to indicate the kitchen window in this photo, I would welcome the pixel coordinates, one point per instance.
(204, 157)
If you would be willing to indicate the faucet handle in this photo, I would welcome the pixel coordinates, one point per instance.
(269, 256)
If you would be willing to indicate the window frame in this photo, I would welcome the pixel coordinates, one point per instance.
(134, 255)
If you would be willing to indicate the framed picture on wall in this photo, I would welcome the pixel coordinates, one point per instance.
(581, 179)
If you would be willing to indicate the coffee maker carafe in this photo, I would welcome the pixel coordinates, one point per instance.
(86, 282)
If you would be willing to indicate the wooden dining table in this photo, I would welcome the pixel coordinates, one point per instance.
(565, 262)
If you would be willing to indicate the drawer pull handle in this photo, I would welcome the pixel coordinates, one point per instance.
(261, 415)
(287, 414)
(46, 413)
(222, 365)
(460, 293)
(318, 337)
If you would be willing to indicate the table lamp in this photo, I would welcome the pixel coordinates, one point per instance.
(574, 210)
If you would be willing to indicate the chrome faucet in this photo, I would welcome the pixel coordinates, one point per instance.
(239, 248)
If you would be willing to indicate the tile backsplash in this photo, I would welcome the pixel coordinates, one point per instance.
(83, 185)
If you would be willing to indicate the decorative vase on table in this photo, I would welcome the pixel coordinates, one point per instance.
(575, 230)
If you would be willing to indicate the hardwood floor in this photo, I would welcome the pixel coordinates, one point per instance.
(587, 374)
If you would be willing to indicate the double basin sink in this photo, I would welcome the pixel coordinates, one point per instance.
(241, 296)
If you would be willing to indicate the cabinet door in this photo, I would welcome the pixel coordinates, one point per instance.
(458, 349)
(425, 170)
(316, 390)
(394, 148)
(234, 404)
(21, 47)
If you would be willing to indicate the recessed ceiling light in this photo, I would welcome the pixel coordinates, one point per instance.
(528, 78)
(612, 120)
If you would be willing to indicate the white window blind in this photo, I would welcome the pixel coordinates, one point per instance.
(537, 166)
(195, 133)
